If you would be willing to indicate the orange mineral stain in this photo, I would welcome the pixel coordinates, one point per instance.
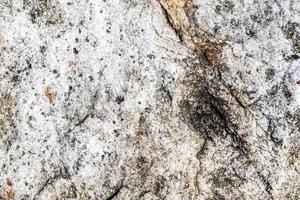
(50, 94)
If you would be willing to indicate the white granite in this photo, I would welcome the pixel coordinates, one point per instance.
(149, 99)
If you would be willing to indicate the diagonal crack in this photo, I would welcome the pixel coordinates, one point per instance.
(267, 184)
(51, 180)
(116, 191)
(177, 19)
(170, 23)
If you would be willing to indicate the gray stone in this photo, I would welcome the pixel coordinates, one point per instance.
(149, 99)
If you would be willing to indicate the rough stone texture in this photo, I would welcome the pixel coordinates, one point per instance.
(150, 99)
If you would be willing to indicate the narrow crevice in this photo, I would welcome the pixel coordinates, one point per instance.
(82, 120)
(51, 180)
(217, 117)
(228, 126)
(170, 23)
(79, 123)
(267, 184)
(116, 191)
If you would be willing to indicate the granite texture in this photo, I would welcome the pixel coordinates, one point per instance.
(150, 99)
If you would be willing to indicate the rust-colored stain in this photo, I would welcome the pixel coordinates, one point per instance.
(213, 54)
(177, 12)
(50, 94)
(9, 183)
(72, 63)
(298, 82)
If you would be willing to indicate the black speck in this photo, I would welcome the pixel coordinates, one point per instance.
(293, 57)
(287, 93)
(250, 33)
(270, 73)
(42, 49)
(120, 99)
(75, 51)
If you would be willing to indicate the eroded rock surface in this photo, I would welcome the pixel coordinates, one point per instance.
(149, 99)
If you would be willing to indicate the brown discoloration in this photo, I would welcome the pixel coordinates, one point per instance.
(177, 11)
(177, 14)
(213, 54)
(50, 94)
(138, 135)
(72, 63)
(7, 192)
(9, 183)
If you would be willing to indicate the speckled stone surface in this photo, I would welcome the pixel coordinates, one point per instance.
(150, 99)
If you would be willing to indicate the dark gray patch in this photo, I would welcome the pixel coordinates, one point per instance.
(292, 32)
(120, 99)
(43, 11)
(226, 6)
(7, 111)
(270, 73)
(206, 111)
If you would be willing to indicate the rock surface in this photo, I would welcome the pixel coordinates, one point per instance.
(150, 99)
